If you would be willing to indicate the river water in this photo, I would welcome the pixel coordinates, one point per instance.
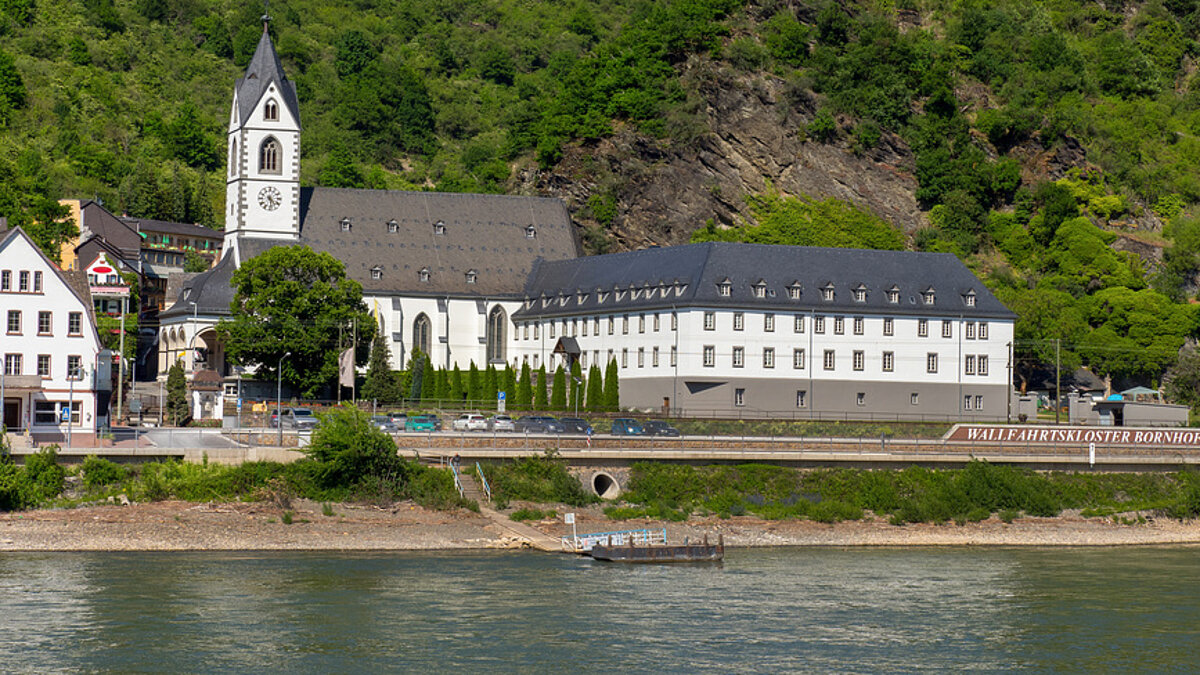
(767, 610)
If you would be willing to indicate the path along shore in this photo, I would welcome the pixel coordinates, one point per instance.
(184, 526)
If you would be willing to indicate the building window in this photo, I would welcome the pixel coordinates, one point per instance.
(525, 331)
(893, 296)
(377, 273)
(23, 282)
(983, 364)
(927, 297)
(947, 329)
(610, 356)
(739, 357)
(611, 324)
(43, 365)
(439, 227)
(423, 275)
(983, 330)
(595, 326)
(970, 330)
(798, 359)
(794, 292)
(819, 325)
(625, 325)
(530, 231)
(37, 282)
(768, 357)
(914, 399)
(931, 362)
(14, 322)
(858, 325)
(889, 362)
(827, 294)
(674, 355)
(710, 356)
(654, 357)
(5, 280)
(725, 289)
(860, 360)
(393, 227)
(760, 290)
(829, 359)
(839, 325)
(583, 360)
(710, 321)
(922, 327)
(74, 371)
(537, 330)
(860, 398)
(497, 329)
(472, 276)
(674, 321)
(656, 322)
(12, 364)
(641, 323)
(738, 320)
(44, 324)
(860, 295)
(969, 364)
(739, 397)
(801, 398)
(420, 337)
(271, 111)
(75, 323)
(979, 401)
(970, 299)
(550, 328)
(889, 327)
(641, 357)
(625, 358)
(575, 326)
(798, 323)
(967, 402)
(268, 156)
(769, 323)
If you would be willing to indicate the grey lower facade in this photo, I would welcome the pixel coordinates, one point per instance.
(800, 398)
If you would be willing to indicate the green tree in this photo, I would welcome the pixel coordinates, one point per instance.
(490, 386)
(473, 385)
(576, 385)
(380, 384)
(194, 262)
(558, 390)
(612, 388)
(189, 141)
(595, 390)
(416, 366)
(457, 393)
(290, 299)
(539, 390)
(524, 397)
(341, 170)
(1181, 384)
(177, 399)
(12, 87)
(349, 450)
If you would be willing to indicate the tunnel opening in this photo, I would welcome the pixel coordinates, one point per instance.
(605, 486)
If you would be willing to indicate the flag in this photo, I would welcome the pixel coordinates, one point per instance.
(346, 368)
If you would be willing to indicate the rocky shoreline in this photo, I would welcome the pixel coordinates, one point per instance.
(184, 526)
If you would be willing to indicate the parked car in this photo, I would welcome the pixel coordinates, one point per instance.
(384, 424)
(575, 425)
(659, 428)
(500, 423)
(301, 419)
(470, 422)
(398, 418)
(626, 426)
(275, 418)
(539, 424)
(421, 423)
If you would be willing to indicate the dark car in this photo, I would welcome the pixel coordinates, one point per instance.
(625, 426)
(539, 424)
(659, 428)
(575, 425)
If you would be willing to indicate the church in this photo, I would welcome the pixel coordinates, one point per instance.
(718, 329)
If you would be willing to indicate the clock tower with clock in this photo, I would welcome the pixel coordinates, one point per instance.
(262, 182)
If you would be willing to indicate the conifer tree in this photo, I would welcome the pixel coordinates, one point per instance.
(490, 386)
(558, 390)
(456, 385)
(507, 383)
(177, 398)
(539, 390)
(595, 389)
(525, 387)
(416, 367)
(612, 391)
(576, 385)
(380, 384)
(474, 384)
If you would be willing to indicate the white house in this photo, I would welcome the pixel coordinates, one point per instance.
(50, 346)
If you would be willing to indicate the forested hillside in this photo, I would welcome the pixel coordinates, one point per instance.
(1051, 145)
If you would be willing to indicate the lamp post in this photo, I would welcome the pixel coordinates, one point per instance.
(279, 397)
(76, 375)
(192, 341)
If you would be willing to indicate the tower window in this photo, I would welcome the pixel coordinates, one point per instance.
(271, 111)
(268, 157)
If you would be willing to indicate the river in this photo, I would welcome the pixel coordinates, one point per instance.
(763, 610)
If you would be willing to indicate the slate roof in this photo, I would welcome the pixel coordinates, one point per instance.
(265, 68)
(212, 291)
(691, 276)
(146, 225)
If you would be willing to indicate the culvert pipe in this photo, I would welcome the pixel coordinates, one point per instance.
(605, 486)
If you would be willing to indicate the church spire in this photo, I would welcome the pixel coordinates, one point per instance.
(265, 68)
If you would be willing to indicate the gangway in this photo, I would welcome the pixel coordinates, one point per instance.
(585, 542)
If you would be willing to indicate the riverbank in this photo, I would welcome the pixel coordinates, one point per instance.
(184, 526)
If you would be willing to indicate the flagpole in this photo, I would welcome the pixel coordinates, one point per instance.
(339, 375)
(353, 353)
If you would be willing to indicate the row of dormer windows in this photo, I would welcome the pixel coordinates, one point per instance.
(439, 228)
(795, 291)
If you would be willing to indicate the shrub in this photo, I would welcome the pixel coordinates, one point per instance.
(44, 471)
(16, 490)
(98, 473)
(348, 450)
(532, 514)
(538, 478)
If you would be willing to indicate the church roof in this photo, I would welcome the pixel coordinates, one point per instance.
(212, 291)
(265, 68)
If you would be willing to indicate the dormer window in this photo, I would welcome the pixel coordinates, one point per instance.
(471, 276)
(794, 290)
(530, 232)
(423, 275)
(345, 224)
(580, 297)
(271, 111)
(528, 303)
(860, 293)
(927, 296)
(969, 298)
(545, 301)
(439, 227)
(377, 273)
(760, 289)
(562, 300)
(601, 296)
(637, 292)
(725, 288)
(393, 227)
(893, 295)
(827, 293)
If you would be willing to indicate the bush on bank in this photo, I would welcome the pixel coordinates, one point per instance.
(538, 478)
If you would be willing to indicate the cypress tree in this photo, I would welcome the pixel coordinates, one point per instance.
(612, 391)
(417, 379)
(576, 385)
(474, 385)
(595, 389)
(177, 398)
(525, 387)
(380, 383)
(456, 386)
(507, 383)
(539, 390)
(490, 386)
(558, 390)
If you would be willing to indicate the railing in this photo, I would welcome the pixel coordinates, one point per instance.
(487, 489)
(619, 538)
(457, 483)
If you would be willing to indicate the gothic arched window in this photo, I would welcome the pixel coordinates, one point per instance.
(420, 337)
(233, 158)
(496, 333)
(271, 110)
(268, 157)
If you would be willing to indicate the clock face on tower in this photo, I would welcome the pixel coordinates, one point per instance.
(269, 198)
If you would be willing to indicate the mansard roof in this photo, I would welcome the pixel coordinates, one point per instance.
(265, 68)
(691, 275)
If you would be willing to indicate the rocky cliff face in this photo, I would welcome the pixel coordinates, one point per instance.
(749, 137)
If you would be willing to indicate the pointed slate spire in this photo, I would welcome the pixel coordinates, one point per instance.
(264, 69)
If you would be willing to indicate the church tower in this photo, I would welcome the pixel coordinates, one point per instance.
(262, 189)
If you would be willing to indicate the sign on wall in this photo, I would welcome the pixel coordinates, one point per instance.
(1046, 435)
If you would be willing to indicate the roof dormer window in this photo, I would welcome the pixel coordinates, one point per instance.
(760, 289)
(439, 227)
(545, 301)
(530, 232)
(393, 227)
(271, 111)
(927, 296)
(827, 292)
(377, 273)
(893, 295)
(794, 290)
(423, 275)
(472, 275)
(562, 299)
(601, 296)
(345, 224)
(725, 288)
(860, 293)
(969, 298)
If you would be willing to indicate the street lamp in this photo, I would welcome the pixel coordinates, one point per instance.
(279, 397)
(76, 375)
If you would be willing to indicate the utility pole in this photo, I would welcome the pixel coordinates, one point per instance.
(1008, 417)
(1057, 379)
